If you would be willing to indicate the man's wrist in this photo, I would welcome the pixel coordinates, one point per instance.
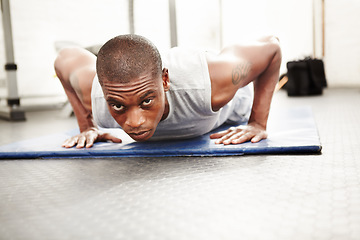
(261, 124)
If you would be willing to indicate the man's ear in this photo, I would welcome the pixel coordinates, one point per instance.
(166, 80)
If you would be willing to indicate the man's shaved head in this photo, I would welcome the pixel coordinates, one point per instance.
(126, 57)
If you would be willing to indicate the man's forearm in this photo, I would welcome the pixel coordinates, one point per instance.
(85, 121)
(264, 87)
(261, 106)
(83, 116)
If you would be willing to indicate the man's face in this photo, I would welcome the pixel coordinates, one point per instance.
(138, 106)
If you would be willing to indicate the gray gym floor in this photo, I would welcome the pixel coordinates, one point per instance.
(246, 197)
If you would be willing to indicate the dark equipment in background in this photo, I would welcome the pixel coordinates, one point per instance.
(305, 77)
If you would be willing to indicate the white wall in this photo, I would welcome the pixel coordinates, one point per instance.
(290, 20)
(199, 24)
(152, 21)
(38, 24)
(342, 42)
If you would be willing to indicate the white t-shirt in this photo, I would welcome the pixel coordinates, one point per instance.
(190, 113)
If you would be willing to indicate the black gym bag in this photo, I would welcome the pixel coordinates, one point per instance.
(305, 77)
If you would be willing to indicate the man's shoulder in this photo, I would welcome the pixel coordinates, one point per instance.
(182, 53)
(187, 69)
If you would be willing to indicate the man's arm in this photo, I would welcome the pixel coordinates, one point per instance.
(237, 66)
(75, 68)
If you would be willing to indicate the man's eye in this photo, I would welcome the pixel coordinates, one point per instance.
(147, 102)
(117, 107)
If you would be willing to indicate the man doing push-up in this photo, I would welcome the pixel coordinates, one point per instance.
(182, 94)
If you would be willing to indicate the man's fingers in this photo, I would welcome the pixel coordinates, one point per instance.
(65, 143)
(218, 134)
(90, 139)
(238, 138)
(225, 135)
(256, 139)
(225, 139)
(109, 137)
(69, 143)
(221, 139)
(81, 142)
(237, 135)
(259, 137)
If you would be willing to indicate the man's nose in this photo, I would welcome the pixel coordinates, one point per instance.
(135, 118)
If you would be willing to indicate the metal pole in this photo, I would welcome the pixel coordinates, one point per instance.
(314, 27)
(13, 110)
(131, 17)
(221, 32)
(323, 26)
(173, 25)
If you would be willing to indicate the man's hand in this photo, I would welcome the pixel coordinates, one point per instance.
(88, 137)
(240, 134)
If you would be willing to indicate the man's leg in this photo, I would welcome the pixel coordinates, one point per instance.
(76, 69)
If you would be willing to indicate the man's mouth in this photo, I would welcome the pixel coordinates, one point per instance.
(140, 136)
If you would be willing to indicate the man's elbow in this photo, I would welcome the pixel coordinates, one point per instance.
(275, 38)
(274, 44)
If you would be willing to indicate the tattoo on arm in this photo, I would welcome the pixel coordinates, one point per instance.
(240, 72)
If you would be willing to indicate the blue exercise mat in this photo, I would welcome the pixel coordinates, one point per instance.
(290, 131)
